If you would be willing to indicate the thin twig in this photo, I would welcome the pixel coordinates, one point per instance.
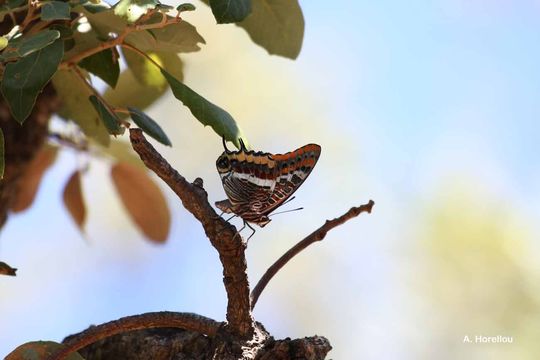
(82, 78)
(142, 53)
(5, 269)
(39, 26)
(222, 235)
(164, 319)
(29, 15)
(11, 12)
(317, 235)
(80, 75)
(117, 41)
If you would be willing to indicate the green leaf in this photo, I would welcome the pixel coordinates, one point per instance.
(75, 105)
(83, 42)
(13, 4)
(27, 45)
(2, 155)
(7, 6)
(277, 26)
(65, 31)
(230, 11)
(206, 112)
(55, 10)
(143, 69)
(179, 37)
(24, 79)
(147, 73)
(130, 92)
(142, 84)
(185, 7)
(104, 65)
(97, 7)
(111, 121)
(149, 126)
(132, 10)
(105, 22)
(164, 8)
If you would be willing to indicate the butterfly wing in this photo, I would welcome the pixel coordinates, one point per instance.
(258, 183)
(244, 192)
(292, 169)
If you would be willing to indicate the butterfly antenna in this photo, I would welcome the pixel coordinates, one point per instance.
(288, 200)
(286, 211)
(242, 145)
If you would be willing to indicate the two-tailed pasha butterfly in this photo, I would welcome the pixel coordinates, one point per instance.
(257, 183)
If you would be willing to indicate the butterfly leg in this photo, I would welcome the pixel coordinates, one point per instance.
(253, 233)
(220, 215)
(239, 231)
(229, 219)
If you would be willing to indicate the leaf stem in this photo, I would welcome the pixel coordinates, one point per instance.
(32, 6)
(39, 26)
(79, 74)
(142, 53)
(121, 110)
(11, 12)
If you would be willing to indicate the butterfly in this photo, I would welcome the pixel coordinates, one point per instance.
(257, 183)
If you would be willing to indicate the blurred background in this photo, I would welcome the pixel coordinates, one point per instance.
(429, 108)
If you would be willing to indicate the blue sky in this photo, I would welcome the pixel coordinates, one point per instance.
(407, 99)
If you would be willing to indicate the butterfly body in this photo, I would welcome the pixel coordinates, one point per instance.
(257, 183)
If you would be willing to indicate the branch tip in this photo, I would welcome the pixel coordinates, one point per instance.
(315, 236)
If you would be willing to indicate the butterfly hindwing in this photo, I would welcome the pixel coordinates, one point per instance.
(293, 169)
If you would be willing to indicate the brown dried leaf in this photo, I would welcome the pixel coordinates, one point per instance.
(74, 201)
(29, 184)
(143, 200)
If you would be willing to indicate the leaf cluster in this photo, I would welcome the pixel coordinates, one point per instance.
(72, 43)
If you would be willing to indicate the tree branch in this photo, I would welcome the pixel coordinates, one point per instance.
(119, 40)
(317, 235)
(231, 248)
(5, 269)
(187, 321)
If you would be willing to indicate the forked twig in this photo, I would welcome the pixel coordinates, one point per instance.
(186, 321)
(231, 253)
(221, 234)
(317, 235)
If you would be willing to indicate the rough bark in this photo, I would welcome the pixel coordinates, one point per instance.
(178, 344)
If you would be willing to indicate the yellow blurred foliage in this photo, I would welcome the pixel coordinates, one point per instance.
(478, 278)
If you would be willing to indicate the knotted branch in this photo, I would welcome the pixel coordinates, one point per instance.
(164, 319)
(231, 248)
(317, 235)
